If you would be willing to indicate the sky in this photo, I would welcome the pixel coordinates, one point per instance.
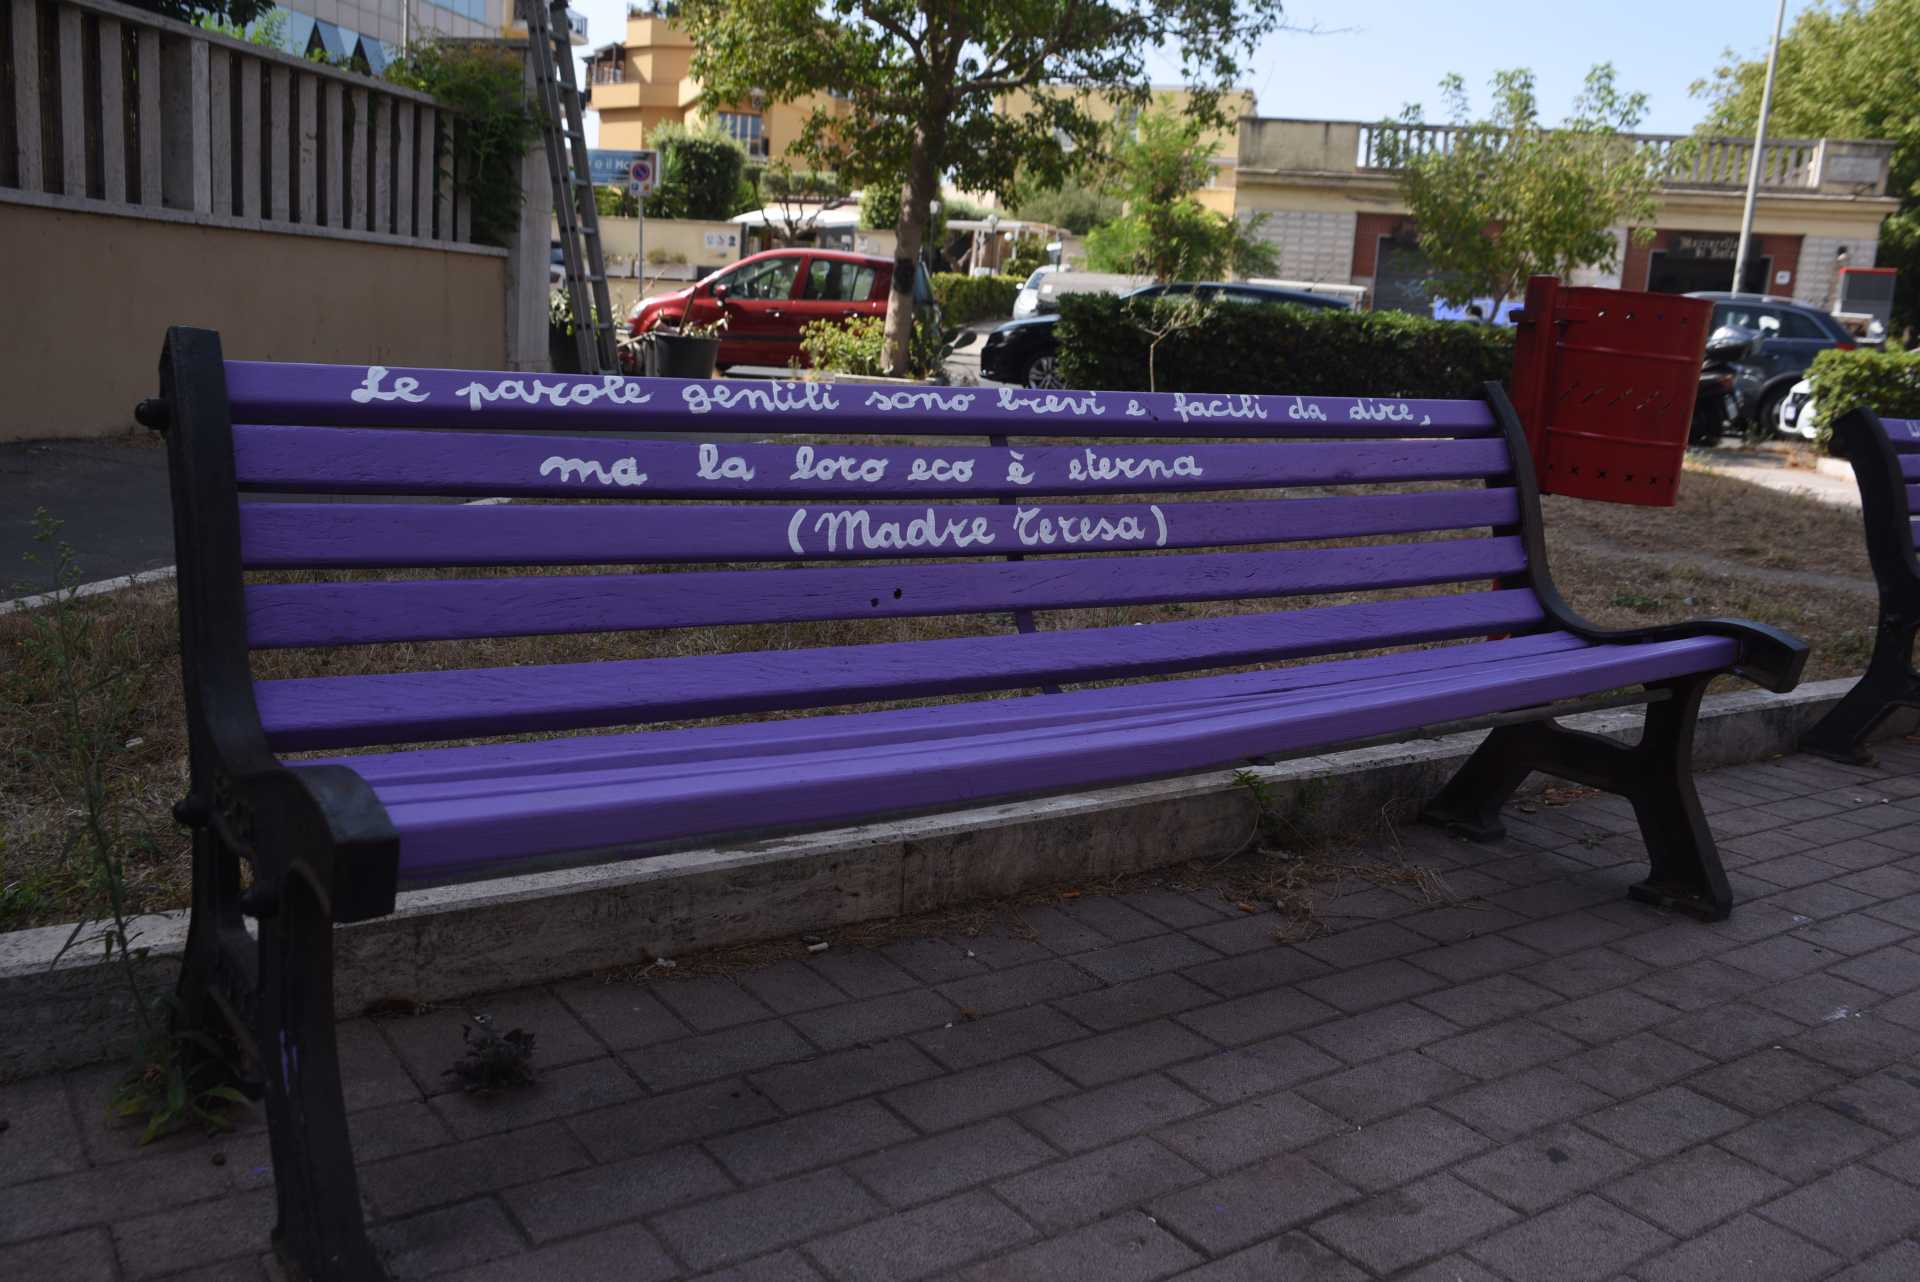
(1374, 56)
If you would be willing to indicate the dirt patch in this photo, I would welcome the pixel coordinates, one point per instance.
(1724, 519)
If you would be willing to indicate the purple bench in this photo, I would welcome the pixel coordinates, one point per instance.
(1885, 454)
(1076, 502)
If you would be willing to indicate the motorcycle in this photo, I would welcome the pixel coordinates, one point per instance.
(1714, 405)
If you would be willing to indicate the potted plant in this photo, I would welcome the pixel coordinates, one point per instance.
(563, 353)
(688, 352)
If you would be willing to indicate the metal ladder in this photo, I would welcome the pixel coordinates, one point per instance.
(549, 44)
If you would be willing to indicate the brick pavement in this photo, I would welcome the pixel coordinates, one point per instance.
(1545, 1084)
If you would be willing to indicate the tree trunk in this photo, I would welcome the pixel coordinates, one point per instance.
(916, 206)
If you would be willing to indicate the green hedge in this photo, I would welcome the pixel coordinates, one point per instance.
(1237, 347)
(1888, 383)
(965, 299)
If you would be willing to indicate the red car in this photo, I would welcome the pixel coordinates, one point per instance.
(768, 297)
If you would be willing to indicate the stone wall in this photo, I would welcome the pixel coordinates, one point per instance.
(1815, 282)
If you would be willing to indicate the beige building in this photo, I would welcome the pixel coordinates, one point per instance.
(1335, 214)
(1217, 195)
(646, 80)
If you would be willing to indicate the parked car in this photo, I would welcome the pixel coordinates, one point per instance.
(1027, 301)
(767, 298)
(1796, 411)
(556, 264)
(1790, 335)
(1025, 351)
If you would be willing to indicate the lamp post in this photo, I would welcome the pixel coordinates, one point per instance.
(1759, 149)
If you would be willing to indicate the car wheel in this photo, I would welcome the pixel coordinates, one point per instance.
(1767, 413)
(1043, 371)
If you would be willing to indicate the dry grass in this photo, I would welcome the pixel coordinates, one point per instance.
(1719, 516)
(1729, 548)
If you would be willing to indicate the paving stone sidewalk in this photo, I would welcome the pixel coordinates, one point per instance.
(1542, 1083)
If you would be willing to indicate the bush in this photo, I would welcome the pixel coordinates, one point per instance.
(964, 299)
(1022, 264)
(486, 85)
(1237, 347)
(858, 346)
(1888, 383)
(615, 202)
(853, 346)
(700, 174)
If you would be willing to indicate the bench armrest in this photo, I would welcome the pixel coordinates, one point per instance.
(1769, 657)
(320, 824)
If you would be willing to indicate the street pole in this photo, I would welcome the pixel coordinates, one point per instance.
(1759, 150)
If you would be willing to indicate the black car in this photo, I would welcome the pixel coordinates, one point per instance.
(1790, 335)
(1024, 351)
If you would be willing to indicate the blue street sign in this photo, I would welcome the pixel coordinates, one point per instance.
(610, 168)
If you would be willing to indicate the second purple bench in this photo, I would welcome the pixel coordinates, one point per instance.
(1885, 454)
(1040, 547)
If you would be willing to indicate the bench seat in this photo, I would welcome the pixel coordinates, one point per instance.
(460, 810)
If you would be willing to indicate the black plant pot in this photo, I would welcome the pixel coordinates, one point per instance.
(682, 356)
(562, 352)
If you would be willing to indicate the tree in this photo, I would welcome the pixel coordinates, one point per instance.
(921, 80)
(1077, 204)
(700, 172)
(1166, 233)
(1851, 72)
(269, 30)
(229, 13)
(1506, 198)
(794, 200)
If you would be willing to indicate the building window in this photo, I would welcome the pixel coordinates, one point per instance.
(744, 127)
(609, 71)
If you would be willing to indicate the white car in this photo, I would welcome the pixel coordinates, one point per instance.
(1027, 301)
(1796, 411)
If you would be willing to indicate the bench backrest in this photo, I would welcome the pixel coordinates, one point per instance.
(1158, 501)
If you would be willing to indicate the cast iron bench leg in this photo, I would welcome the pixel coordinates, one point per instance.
(1655, 774)
(214, 999)
(1888, 683)
(320, 1234)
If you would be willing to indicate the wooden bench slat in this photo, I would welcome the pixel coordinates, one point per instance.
(1904, 433)
(306, 713)
(359, 613)
(444, 835)
(598, 752)
(1913, 498)
(376, 396)
(361, 461)
(374, 535)
(752, 746)
(1909, 464)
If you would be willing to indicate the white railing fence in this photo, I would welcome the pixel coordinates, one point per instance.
(103, 103)
(1682, 160)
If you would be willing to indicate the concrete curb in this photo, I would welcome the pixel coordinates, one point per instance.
(458, 941)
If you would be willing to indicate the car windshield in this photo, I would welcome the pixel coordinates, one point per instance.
(1033, 281)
